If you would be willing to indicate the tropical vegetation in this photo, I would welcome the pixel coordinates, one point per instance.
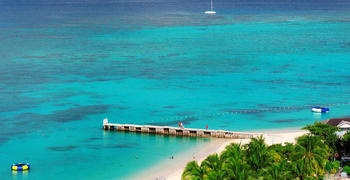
(346, 169)
(345, 141)
(326, 132)
(311, 157)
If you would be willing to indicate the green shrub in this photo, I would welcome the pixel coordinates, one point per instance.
(346, 142)
(328, 166)
(336, 165)
(346, 169)
(332, 166)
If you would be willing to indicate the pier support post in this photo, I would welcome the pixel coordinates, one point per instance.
(172, 131)
(144, 129)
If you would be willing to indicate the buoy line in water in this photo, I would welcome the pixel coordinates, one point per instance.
(247, 111)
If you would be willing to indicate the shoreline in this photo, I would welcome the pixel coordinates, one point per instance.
(171, 169)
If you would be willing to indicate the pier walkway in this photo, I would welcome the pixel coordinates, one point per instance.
(176, 131)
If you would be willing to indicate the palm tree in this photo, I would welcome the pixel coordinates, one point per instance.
(234, 165)
(310, 156)
(284, 151)
(258, 155)
(212, 166)
(279, 171)
(193, 172)
(326, 132)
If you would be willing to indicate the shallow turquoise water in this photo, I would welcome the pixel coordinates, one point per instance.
(247, 70)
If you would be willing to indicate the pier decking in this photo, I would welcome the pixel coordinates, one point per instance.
(176, 131)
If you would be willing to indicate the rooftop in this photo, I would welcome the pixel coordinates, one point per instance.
(335, 121)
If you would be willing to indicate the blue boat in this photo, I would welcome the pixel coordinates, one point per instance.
(320, 109)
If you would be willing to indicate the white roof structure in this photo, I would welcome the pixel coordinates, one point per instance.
(339, 122)
(344, 125)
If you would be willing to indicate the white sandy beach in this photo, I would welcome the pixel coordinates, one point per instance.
(171, 169)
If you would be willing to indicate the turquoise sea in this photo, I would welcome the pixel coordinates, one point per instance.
(67, 65)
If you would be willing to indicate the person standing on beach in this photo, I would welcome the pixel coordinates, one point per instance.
(206, 127)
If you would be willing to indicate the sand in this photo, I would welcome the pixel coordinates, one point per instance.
(171, 169)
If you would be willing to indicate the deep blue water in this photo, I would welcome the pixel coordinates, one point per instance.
(67, 65)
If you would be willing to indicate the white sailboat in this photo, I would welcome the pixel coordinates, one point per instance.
(211, 9)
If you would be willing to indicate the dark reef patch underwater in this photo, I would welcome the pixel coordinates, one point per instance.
(62, 148)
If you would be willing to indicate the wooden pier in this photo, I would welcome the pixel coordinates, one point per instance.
(176, 131)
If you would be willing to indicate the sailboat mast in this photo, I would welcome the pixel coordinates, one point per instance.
(211, 8)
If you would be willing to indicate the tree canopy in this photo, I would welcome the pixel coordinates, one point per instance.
(304, 160)
(326, 132)
(346, 143)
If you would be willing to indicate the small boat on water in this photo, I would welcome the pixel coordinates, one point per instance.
(320, 109)
(210, 12)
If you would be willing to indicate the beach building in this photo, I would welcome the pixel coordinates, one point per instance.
(342, 123)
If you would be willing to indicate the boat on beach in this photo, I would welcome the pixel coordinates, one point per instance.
(320, 109)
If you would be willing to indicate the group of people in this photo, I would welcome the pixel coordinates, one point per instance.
(181, 125)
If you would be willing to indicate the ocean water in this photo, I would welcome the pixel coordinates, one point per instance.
(67, 65)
